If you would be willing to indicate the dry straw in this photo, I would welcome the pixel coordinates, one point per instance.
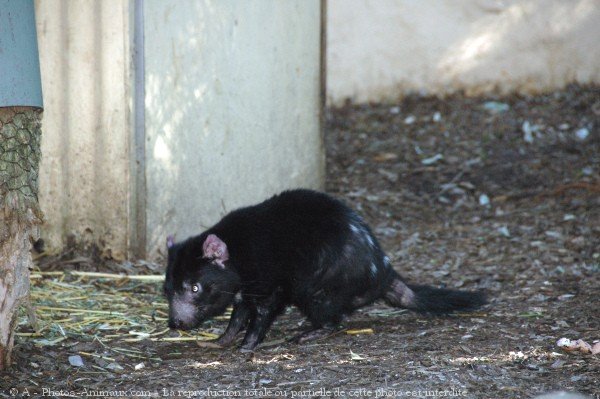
(103, 307)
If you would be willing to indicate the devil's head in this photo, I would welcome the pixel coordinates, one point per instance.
(198, 283)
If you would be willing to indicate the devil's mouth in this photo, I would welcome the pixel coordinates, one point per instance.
(198, 320)
(191, 325)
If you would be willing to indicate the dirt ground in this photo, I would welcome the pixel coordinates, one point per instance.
(501, 194)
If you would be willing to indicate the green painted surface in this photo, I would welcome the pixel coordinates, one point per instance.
(20, 83)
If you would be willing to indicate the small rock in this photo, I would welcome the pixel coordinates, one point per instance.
(582, 133)
(444, 200)
(527, 132)
(409, 120)
(504, 231)
(394, 110)
(440, 273)
(437, 117)
(495, 107)
(76, 360)
(553, 234)
(587, 171)
(484, 200)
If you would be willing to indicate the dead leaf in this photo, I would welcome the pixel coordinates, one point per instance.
(574, 346)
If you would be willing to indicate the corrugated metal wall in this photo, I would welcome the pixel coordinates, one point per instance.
(230, 114)
(84, 175)
(232, 107)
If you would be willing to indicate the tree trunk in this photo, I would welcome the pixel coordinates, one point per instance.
(20, 136)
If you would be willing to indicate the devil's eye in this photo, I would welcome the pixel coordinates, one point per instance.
(195, 287)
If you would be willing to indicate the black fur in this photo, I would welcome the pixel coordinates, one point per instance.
(300, 248)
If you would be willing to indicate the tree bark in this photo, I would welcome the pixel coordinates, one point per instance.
(20, 216)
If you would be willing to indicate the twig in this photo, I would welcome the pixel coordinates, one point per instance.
(79, 310)
(142, 277)
(150, 277)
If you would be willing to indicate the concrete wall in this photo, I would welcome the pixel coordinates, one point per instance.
(381, 49)
(230, 115)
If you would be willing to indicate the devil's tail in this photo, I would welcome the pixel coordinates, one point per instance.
(423, 298)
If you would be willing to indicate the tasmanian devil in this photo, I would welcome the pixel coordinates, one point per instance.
(301, 248)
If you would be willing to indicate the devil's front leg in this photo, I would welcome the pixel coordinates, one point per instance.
(265, 312)
(239, 318)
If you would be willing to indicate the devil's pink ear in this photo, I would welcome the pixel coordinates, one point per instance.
(170, 241)
(214, 248)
